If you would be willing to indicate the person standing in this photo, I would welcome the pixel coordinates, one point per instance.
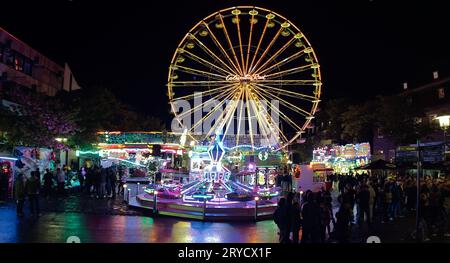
(311, 220)
(32, 187)
(81, 178)
(61, 179)
(387, 203)
(103, 177)
(372, 199)
(343, 219)
(326, 217)
(112, 182)
(48, 182)
(279, 217)
(363, 204)
(122, 180)
(296, 221)
(19, 191)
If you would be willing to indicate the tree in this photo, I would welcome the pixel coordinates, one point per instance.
(329, 119)
(100, 110)
(358, 122)
(398, 119)
(35, 120)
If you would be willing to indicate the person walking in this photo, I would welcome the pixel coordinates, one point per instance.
(372, 199)
(103, 177)
(19, 192)
(311, 220)
(279, 217)
(96, 181)
(48, 183)
(289, 215)
(364, 205)
(326, 217)
(32, 187)
(296, 221)
(343, 219)
(112, 182)
(61, 179)
(387, 203)
(122, 181)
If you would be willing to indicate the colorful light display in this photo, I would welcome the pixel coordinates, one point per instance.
(342, 158)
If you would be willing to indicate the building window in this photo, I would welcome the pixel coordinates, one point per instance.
(441, 93)
(27, 66)
(9, 57)
(18, 62)
(417, 120)
(1, 53)
(380, 133)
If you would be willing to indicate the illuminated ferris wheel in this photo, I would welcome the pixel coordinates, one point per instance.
(249, 74)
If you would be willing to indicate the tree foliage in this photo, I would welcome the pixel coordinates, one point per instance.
(35, 120)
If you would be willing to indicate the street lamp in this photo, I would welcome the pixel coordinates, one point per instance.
(444, 123)
(256, 208)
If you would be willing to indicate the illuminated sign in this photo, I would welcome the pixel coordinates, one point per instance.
(247, 77)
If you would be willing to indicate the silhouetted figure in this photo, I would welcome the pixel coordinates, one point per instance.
(363, 199)
(103, 177)
(311, 220)
(295, 221)
(19, 192)
(279, 217)
(32, 187)
(343, 219)
(326, 217)
(48, 183)
(61, 179)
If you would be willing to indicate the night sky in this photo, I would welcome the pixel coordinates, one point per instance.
(364, 47)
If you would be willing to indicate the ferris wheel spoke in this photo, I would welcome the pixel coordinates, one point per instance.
(282, 115)
(272, 122)
(221, 48)
(284, 102)
(290, 82)
(230, 44)
(222, 120)
(249, 43)
(283, 62)
(265, 130)
(199, 72)
(249, 118)
(206, 92)
(199, 83)
(230, 95)
(239, 119)
(238, 99)
(206, 63)
(238, 22)
(289, 93)
(291, 71)
(267, 49)
(212, 54)
(259, 42)
(218, 96)
(274, 56)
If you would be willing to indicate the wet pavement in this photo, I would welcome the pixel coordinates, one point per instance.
(110, 220)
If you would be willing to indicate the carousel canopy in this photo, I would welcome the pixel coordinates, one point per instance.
(378, 165)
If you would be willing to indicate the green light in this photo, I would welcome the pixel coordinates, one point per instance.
(78, 152)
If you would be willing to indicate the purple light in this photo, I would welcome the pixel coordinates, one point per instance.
(251, 166)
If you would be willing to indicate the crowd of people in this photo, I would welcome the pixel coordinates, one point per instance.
(95, 182)
(103, 182)
(361, 199)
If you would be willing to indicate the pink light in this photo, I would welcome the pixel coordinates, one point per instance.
(251, 166)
